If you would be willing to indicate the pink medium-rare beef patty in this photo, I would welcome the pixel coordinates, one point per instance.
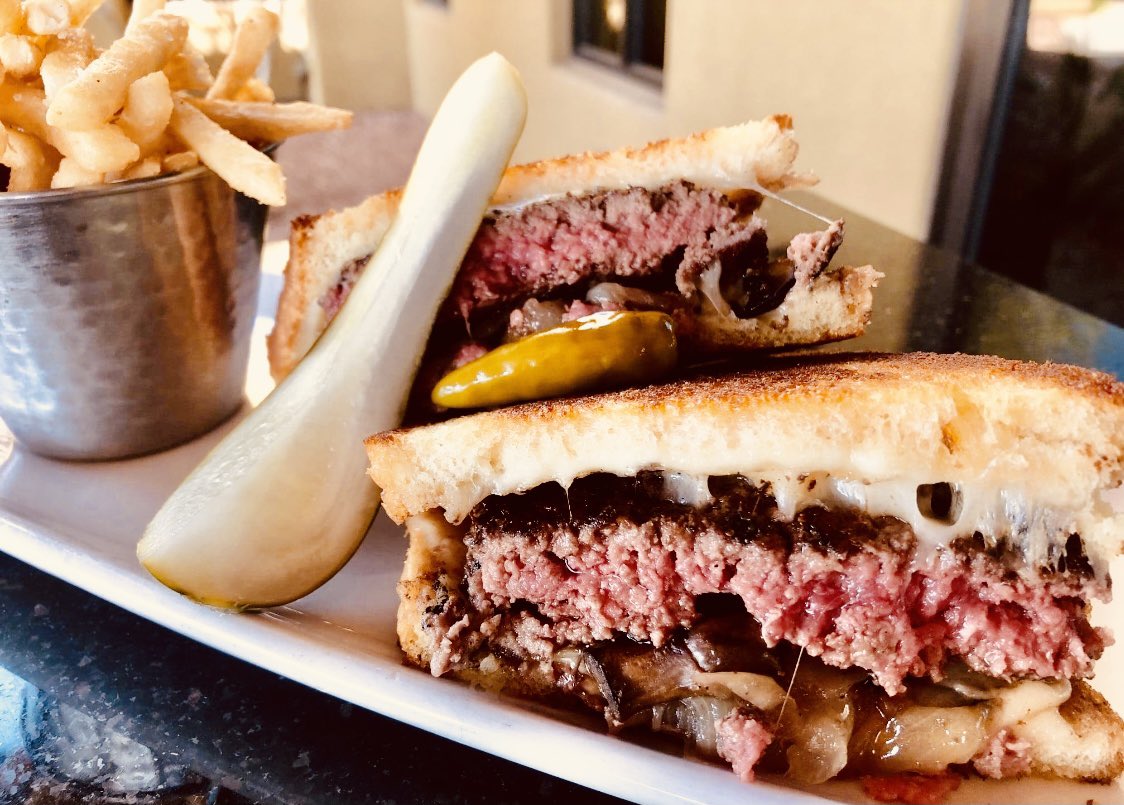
(570, 240)
(606, 560)
(742, 740)
(642, 237)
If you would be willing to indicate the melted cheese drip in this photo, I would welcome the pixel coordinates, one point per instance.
(1039, 533)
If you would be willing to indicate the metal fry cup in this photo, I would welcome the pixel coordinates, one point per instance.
(125, 312)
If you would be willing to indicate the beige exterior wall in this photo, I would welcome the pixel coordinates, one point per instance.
(868, 82)
(357, 54)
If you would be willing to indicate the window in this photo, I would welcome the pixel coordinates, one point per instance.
(628, 34)
(1051, 216)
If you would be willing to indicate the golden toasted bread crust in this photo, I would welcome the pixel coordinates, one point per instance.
(1054, 432)
(831, 307)
(431, 583)
(320, 246)
(1084, 742)
(754, 154)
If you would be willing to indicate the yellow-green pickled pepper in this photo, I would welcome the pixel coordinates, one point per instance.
(612, 348)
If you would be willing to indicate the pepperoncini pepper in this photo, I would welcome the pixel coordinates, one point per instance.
(611, 348)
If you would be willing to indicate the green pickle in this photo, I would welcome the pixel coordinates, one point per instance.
(612, 348)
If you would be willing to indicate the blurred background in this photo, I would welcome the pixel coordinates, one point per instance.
(993, 128)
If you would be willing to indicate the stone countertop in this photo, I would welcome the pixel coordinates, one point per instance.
(98, 705)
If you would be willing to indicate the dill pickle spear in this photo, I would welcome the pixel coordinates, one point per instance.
(611, 348)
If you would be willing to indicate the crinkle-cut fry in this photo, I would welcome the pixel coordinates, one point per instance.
(82, 10)
(46, 17)
(20, 56)
(255, 90)
(240, 165)
(181, 161)
(147, 110)
(252, 38)
(31, 161)
(103, 150)
(3, 138)
(11, 17)
(189, 71)
(270, 122)
(99, 91)
(71, 174)
(63, 64)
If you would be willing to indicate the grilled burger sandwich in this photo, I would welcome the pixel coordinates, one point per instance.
(671, 227)
(847, 565)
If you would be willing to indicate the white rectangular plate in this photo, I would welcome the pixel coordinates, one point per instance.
(80, 522)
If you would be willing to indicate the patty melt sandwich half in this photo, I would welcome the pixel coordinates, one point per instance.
(868, 565)
(672, 227)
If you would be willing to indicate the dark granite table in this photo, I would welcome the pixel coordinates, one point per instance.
(97, 705)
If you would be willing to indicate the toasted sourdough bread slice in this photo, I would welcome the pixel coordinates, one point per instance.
(1052, 431)
(1057, 431)
(757, 154)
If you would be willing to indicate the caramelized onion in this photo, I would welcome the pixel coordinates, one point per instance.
(760, 691)
(819, 748)
(820, 734)
(534, 317)
(613, 295)
(633, 678)
(731, 642)
(922, 739)
(696, 719)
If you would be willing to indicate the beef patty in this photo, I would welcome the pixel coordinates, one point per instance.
(612, 557)
(668, 249)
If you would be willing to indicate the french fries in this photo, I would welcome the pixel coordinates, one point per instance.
(72, 116)
(71, 174)
(178, 163)
(269, 122)
(46, 17)
(189, 71)
(82, 10)
(20, 56)
(145, 169)
(142, 9)
(11, 17)
(242, 166)
(105, 149)
(255, 90)
(251, 40)
(102, 150)
(64, 63)
(99, 91)
(31, 163)
(148, 109)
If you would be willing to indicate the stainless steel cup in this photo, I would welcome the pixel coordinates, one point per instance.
(125, 312)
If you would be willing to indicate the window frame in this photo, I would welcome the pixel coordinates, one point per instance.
(629, 61)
